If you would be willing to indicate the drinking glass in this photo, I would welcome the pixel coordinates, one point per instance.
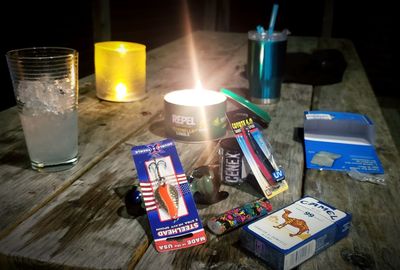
(45, 83)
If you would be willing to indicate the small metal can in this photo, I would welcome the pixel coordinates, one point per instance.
(232, 162)
(194, 115)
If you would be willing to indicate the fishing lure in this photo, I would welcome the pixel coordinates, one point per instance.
(263, 158)
(165, 194)
(260, 164)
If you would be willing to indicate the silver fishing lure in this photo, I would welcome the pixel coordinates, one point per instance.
(166, 195)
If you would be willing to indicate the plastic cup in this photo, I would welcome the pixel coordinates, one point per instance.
(45, 83)
(265, 63)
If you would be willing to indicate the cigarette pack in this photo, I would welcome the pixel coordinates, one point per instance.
(295, 233)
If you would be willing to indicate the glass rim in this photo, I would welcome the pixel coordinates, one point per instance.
(33, 65)
(276, 35)
(111, 45)
(15, 53)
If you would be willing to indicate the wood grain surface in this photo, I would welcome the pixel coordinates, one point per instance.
(373, 242)
(102, 125)
(77, 219)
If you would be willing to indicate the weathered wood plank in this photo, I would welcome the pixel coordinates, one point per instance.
(102, 125)
(80, 227)
(392, 117)
(375, 231)
(87, 226)
(169, 78)
(83, 228)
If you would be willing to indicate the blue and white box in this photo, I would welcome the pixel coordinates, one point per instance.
(340, 141)
(293, 234)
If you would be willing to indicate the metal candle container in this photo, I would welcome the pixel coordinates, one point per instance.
(195, 115)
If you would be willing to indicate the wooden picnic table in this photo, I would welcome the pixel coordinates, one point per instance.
(73, 219)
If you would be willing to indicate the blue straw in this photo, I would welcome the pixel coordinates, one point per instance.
(273, 19)
(260, 29)
(267, 72)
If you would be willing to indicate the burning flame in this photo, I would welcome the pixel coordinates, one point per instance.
(121, 49)
(199, 85)
(121, 91)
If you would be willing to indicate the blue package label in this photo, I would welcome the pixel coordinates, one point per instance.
(340, 141)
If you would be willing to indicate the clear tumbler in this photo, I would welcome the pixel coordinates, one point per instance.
(45, 82)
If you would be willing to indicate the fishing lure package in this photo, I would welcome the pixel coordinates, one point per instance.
(169, 203)
(258, 153)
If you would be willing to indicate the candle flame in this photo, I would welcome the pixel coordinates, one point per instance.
(193, 97)
(199, 85)
(121, 91)
(121, 49)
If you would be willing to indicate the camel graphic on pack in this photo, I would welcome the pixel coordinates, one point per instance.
(295, 222)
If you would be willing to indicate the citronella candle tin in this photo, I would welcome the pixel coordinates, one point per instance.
(195, 115)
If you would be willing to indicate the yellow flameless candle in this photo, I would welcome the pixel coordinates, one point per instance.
(120, 69)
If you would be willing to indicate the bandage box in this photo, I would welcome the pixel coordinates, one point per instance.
(295, 233)
(340, 141)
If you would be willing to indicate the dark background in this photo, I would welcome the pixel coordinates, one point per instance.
(370, 26)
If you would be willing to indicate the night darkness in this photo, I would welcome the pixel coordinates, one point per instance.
(154, 23)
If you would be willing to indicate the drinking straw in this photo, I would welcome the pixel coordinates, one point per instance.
(267, 71)
(260, 29)
(272, 20)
